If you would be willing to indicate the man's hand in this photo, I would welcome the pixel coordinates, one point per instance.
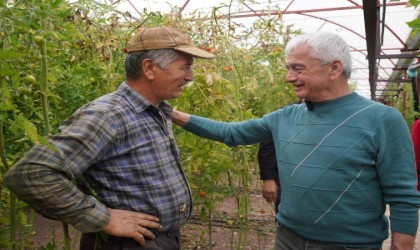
(401, 241)
(131, 224)
(269, 190)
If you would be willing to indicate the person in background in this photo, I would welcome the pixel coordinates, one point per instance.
(341, 157)
(122, 151)
(270, 187)
(415, 136)
(269, 174)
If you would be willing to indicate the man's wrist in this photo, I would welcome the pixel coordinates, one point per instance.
(94, 221)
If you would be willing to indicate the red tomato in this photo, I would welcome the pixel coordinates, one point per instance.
(228, 68)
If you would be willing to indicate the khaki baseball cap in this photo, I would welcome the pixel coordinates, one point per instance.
(165, 38)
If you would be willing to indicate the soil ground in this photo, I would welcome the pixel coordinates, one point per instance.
(224, 235)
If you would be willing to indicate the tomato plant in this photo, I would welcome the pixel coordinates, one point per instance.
(57, 55)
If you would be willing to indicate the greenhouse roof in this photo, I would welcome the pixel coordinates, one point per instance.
(376, 31)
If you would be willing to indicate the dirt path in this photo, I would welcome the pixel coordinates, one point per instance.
(195, 236)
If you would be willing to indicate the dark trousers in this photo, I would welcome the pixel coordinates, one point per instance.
(164, 241)
(288, 240)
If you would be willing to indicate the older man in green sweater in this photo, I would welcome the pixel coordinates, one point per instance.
(341, 157)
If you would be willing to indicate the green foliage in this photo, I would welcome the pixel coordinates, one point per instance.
(77, 73)
(414, 3)
(415, 23)
(404, 103)
(84, 59)
(84, 56)
(245, 81)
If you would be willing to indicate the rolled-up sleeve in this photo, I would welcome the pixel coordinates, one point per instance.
(44, 177)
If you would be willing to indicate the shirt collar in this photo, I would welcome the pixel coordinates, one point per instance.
(138, 102)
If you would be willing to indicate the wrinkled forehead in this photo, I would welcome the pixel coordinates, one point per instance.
(300, 54)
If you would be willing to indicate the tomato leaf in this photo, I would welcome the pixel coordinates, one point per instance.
(7, 72)
(4, 54)
(32, 132)
(55, 4)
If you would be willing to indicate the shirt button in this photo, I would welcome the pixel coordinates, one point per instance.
(183, 208)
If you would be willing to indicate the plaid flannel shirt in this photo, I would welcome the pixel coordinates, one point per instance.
(124, 148)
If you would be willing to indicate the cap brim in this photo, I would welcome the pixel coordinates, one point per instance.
(196, 52)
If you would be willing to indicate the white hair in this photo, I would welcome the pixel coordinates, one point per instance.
(326, 47)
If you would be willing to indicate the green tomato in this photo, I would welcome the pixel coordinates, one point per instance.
(21, 47)
(29, 79)
(25, 91)
(39, 40)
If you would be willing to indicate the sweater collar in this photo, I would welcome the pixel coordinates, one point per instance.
(334, 103)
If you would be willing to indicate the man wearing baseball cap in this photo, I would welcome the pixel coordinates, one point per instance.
(131, 191)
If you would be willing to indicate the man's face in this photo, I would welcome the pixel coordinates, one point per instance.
(309, 77)
(169, 82)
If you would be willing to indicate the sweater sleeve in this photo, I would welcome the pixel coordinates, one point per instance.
(231, 133)
(397, 173)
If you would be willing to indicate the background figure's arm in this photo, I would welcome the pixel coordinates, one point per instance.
(269, 191)
(267, 163)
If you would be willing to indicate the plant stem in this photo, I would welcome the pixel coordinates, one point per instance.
(12, 234)
(12, 228)
(242, 199)
(2, 149)
(209, 226)
(44, 88)
(44, 100)
(67, 240)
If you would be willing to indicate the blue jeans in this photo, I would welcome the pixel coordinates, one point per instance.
(288, 240)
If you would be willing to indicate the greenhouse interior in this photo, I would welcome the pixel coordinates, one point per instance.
(56, 56)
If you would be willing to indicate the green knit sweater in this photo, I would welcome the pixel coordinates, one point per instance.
(340, 162)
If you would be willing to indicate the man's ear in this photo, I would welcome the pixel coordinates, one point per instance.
(336, 69)
(147, 67)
